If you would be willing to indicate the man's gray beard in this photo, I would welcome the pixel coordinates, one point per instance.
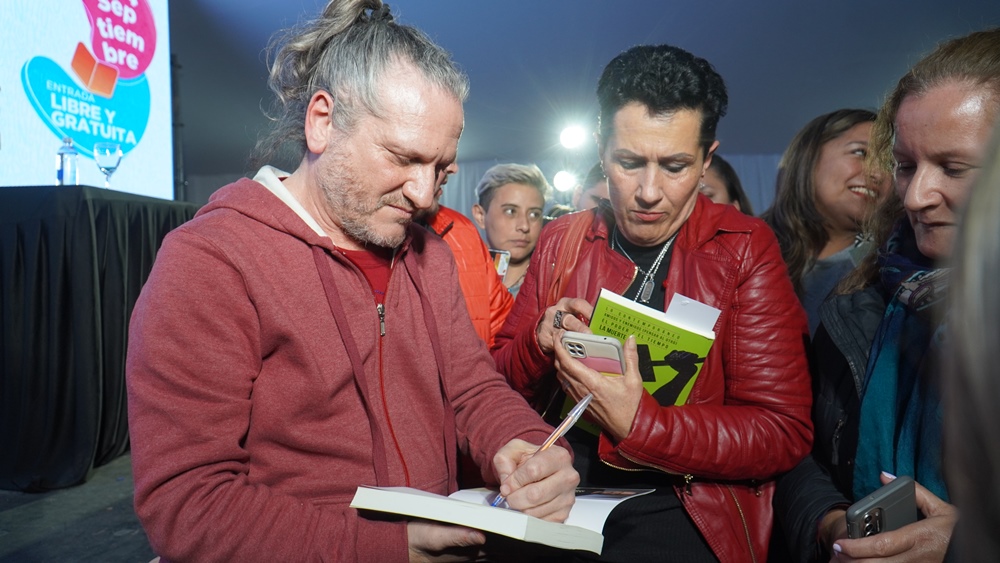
(361, 230)
(363, 233)
(345, 194)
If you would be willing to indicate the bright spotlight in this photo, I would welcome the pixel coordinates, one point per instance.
(564, 181)
(572, 137)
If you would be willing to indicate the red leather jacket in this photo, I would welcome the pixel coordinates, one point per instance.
(748, 415)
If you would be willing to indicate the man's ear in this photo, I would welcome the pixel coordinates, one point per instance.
(479, 215)
(319, 122)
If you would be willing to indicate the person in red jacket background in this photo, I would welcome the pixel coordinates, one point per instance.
(714, 459)
(485, 295)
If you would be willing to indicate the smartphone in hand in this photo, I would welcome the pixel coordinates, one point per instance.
(889, 508)
(599, 353)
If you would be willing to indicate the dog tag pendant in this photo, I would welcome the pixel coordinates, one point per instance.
(646, 290)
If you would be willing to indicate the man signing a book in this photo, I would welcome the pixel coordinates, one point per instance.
(300, 337)
(712, 459)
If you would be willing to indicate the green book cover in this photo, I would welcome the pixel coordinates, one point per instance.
(672, 346)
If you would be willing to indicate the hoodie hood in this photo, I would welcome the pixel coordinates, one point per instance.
(255, 201)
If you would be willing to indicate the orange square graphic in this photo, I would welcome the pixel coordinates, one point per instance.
(83, 63)
(100, 78)
(104, 79)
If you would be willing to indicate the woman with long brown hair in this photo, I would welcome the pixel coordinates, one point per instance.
(822, 196)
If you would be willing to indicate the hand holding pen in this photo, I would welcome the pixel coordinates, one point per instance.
(559, 432)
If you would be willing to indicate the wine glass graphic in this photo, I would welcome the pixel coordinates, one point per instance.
(107, 156)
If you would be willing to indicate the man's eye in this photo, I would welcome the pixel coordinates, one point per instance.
(442, 175)
(630, 164)
(535, 215)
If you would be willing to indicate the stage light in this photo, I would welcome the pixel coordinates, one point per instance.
(564, 181)
(573, 137)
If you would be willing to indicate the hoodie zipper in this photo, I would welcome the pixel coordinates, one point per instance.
(380, 310)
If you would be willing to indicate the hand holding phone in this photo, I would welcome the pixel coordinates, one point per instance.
(889, 508)
(599, 353)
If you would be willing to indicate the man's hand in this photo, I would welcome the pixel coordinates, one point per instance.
(573, 309)
(432, 542)
(616, 399)
(541, 484)
(925, 540)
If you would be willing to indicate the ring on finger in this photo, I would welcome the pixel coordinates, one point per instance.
(557, 319)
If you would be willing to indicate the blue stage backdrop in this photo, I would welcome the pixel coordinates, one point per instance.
(93, 71)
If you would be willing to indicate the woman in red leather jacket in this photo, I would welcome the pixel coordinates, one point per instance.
(712, 460)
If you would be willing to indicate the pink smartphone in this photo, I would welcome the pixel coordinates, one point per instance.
(599, 353)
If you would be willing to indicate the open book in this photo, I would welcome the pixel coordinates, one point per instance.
(672, 345)
(471, 507)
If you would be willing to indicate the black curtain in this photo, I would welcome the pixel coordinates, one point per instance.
(73, 261)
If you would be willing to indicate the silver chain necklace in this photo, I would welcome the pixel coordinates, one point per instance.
(646, 289)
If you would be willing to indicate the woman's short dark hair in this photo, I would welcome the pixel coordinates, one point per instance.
(665, 79)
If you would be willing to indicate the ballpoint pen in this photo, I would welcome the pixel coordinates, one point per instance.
(567, 423)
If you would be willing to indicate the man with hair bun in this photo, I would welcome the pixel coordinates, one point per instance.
(301, 336)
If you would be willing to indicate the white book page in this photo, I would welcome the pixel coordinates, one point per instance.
(692, 315)
(590, 511)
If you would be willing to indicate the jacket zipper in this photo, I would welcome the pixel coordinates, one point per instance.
(835, 452)
(746, 528)
(380, 308)
(687, 476)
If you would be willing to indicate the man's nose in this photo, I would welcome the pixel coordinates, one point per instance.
(420, 188)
